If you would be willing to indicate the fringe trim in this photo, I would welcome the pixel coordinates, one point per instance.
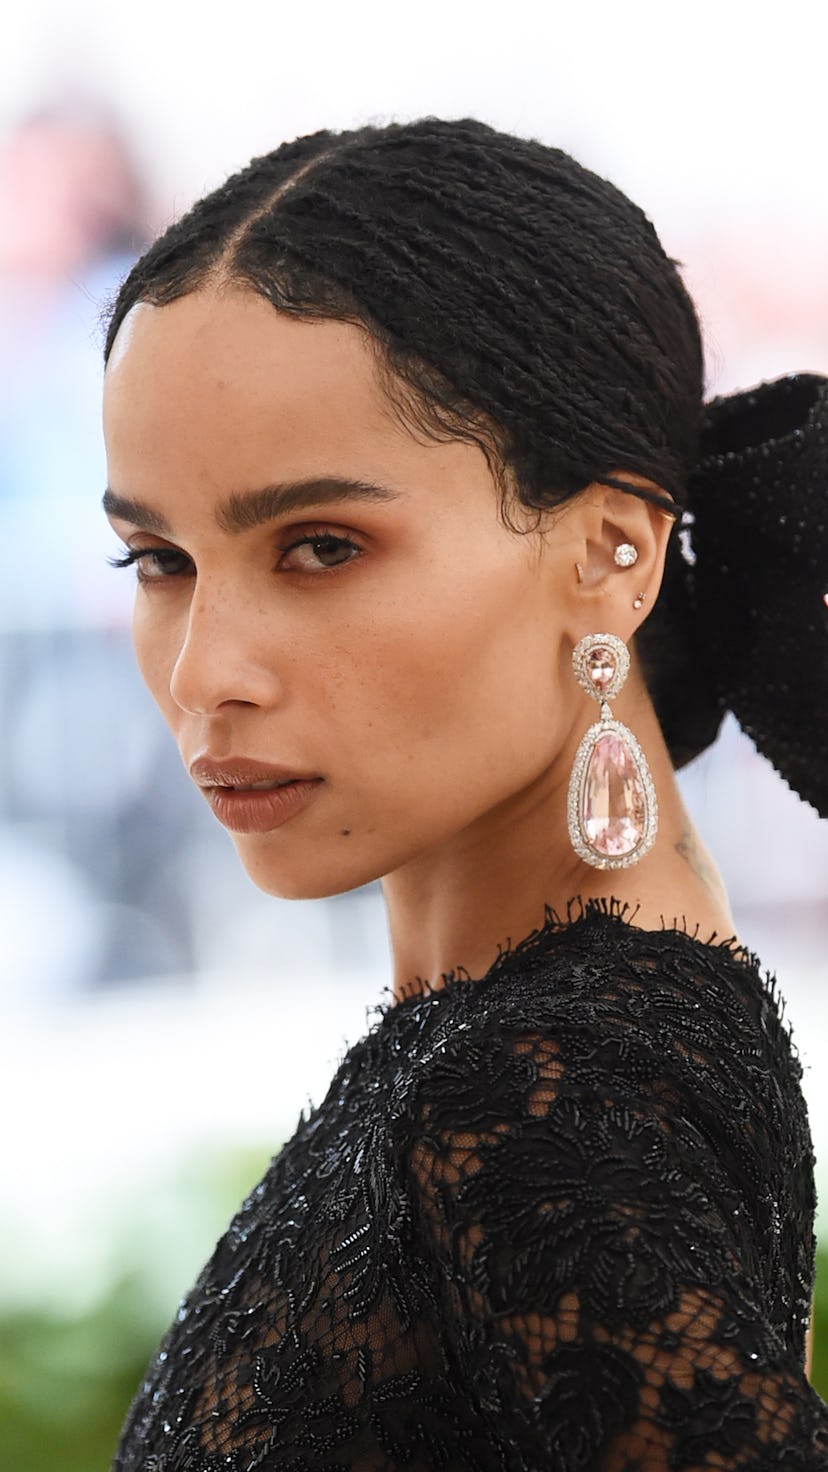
(580, 912)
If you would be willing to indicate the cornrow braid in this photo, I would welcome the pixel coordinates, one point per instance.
(517, 300)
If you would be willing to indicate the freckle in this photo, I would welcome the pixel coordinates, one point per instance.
(345, 832)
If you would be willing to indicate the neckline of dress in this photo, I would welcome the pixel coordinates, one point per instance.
(608, 911)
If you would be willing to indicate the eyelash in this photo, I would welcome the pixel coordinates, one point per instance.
(134, 556)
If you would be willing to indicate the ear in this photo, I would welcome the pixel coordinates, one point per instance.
(602, 593)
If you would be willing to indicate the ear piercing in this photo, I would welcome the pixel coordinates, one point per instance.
(625, 555)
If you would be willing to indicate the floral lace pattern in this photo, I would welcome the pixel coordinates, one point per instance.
(557, 1218)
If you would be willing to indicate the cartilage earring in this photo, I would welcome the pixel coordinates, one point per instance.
(612, 809)
(625, 555)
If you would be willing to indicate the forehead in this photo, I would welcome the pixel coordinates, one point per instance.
(223, 370)
(217, 393)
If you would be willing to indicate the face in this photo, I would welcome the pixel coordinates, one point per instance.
(358, 660)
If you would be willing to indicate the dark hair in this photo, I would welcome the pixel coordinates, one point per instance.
(518, 301)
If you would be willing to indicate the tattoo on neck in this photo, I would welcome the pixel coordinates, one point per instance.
(689, 848)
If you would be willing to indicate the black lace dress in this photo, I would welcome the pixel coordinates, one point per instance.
(557, 1218)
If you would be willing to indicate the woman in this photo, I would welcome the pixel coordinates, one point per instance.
(399, 426)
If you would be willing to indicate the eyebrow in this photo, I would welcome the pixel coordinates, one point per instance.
(247, 509)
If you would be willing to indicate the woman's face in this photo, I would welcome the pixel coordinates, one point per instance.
(326, 604)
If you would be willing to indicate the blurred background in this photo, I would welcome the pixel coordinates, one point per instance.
(161, 1023)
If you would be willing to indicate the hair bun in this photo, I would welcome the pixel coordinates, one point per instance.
(759, 570)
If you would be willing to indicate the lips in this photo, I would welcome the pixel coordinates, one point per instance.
(240, 772)
(253, 797)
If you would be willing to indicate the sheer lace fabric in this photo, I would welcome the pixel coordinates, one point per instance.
(557, 1218)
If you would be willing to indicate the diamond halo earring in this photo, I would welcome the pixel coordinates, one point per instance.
(612, 810)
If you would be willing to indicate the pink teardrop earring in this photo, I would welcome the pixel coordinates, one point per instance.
(612, 810)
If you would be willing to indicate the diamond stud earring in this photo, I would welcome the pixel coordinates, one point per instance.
(625, 555)
(612, 811)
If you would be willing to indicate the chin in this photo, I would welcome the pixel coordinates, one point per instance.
(304, 877)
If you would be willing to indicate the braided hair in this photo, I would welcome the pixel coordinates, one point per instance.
(517, 301)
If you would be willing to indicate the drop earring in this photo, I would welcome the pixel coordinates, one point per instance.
(612, 810)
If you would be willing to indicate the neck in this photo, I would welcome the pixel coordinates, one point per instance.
(488, 886)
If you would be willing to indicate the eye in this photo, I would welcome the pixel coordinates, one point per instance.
(154, 564)
(318, 552)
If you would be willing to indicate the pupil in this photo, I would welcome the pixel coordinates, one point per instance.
(329, 549)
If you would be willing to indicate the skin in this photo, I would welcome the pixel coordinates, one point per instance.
(425, 675)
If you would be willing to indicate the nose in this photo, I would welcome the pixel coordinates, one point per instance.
(226, 657)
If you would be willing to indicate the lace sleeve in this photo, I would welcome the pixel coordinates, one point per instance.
(596, 1265)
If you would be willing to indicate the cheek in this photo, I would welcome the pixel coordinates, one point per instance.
(156, 650)
(462, 697)
(424, 719)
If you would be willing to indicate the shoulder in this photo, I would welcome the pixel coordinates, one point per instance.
(598, 980)
(592, 1019)
(606, 1102)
